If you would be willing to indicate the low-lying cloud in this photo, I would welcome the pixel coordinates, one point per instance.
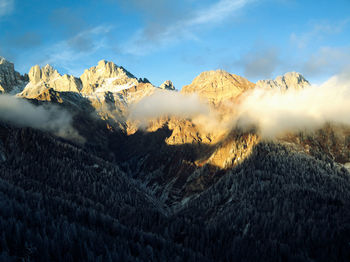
(47, 117)
(165, 103)
(271, 112)
(274, 112)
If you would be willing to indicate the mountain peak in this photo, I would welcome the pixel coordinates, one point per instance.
(42, 79)
(4, 61)
(217, 86)
(10, 80)
(290, 80)
(105, 71)
(101, 63)
(167, 85)
(46, 74)
(48, 68)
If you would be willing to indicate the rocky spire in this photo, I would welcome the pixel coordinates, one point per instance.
(42, 79)
(10, 80)
(167, 85)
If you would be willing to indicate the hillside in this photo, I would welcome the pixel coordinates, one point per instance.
(172, 186)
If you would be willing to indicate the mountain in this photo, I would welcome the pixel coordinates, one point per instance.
(105, 76)
(109, 88)
(193, 188)
(291, 80)
(218, 87)
(42, 79)
(167, 85)
(60, 202)
(10, 80)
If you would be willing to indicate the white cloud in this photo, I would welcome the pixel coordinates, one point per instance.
(47, 117)
(327, 60)
(275, 112)
(69, 53)
(6, 7)
(319, 30)
(163, 103)
(155, 36)
(216, 12)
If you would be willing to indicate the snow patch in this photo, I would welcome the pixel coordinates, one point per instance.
(108, 86)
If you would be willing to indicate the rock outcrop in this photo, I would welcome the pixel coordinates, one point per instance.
(167, 85)
(111, 89)
(106, 76)
(10, 80)
(218, 86)
(42, 79)
(291, 80)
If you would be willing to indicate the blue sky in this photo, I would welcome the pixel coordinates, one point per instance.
(176, 40)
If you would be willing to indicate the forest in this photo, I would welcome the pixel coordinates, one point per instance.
(60, 202)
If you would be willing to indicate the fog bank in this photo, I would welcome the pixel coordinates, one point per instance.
(48, 117)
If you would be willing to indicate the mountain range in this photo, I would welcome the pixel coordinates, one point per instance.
(123, 170)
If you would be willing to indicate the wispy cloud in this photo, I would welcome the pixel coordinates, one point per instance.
(25, 40)
(261, 62)
(69, 53)
(326, 60)
(216, 12)
(155, 36)
(6, 7)
(48, 117)
(319, 31)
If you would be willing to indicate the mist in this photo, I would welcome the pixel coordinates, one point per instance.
(163, 103)
(274, 112)
(48, 117)
(271, 112)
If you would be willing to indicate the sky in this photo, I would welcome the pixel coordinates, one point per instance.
(177, 40)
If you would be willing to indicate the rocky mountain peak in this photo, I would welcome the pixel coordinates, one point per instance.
(105, 73)
(49, 70)
(290, 80)
(167, 85)
(45, 74)
(42, 79)
(218, 86)
(3, 61)
(34, 74)
(10, 80)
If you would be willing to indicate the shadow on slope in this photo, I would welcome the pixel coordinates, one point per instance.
(277, 205)
(173, 172)
(61, 203)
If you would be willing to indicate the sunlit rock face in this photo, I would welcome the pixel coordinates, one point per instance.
(111, 90)
(218, 87)
(220, 90)
(42, 79)
(10, 80)
(290, 80)
(106, 76)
